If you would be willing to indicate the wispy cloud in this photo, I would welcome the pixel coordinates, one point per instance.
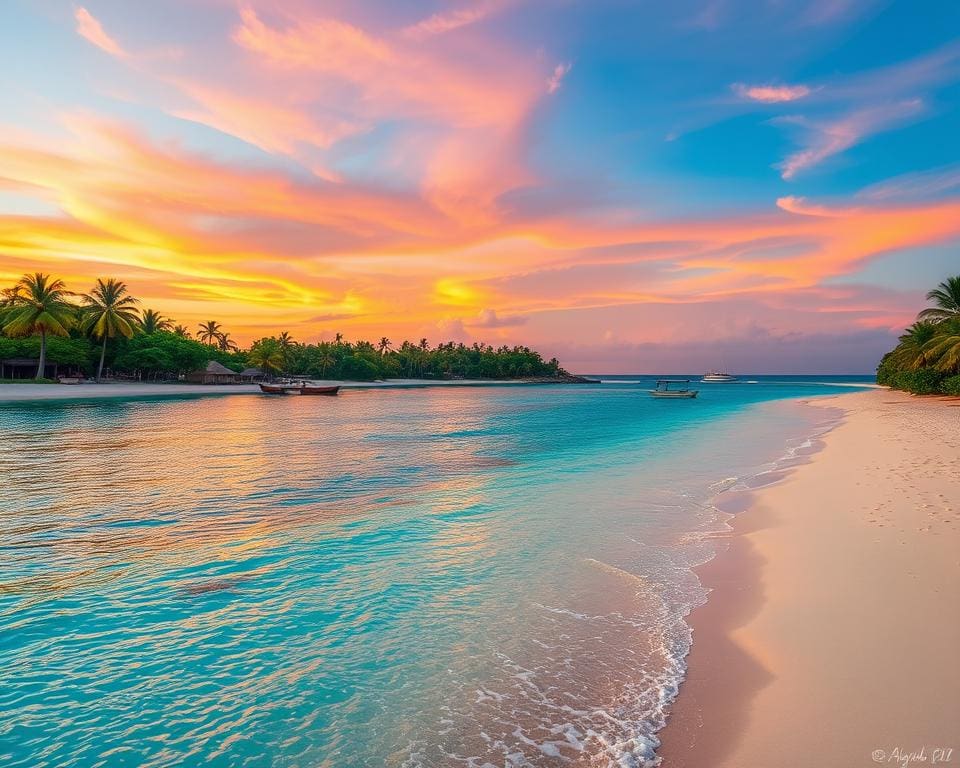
(556, 77)
(709, 16)
(799, 205)
(827, 11)
(92, 30)
(826, 139)
(447, 21)
(915, 186)
(457, 118)
(771, 94)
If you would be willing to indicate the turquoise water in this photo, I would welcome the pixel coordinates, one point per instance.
(433, 577)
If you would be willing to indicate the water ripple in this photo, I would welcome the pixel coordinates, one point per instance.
(459, 577)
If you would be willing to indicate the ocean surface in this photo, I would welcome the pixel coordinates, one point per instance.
(476, 576)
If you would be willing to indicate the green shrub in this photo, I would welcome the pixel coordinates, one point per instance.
(886, 370)
(951, 385)
(924, 381)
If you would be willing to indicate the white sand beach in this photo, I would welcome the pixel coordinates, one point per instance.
(830, 637)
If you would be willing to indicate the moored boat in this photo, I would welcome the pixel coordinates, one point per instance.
(681, 389)
(310, 389)
(299, 388)
(716, 376)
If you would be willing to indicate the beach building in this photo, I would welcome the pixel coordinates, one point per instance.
(214, 373)
(251, 376)
(25, 368)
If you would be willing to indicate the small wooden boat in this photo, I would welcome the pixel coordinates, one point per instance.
(681, 389)
(311, 389)
(287, 387)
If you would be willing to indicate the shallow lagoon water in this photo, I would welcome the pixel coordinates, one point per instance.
(448, 576)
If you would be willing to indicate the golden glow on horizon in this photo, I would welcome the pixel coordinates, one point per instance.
(171, 224)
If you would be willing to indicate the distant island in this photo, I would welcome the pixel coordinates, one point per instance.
(48, 332)
(927, 359)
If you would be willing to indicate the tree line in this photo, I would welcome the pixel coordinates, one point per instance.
(927, 359)
(106, 330)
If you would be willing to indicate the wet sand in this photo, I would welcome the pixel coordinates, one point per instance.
(831, 633)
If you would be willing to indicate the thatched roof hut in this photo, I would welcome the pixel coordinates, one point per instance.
(214, 373)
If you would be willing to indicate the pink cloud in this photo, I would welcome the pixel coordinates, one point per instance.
(92, 30)
(488, 318)
(799, 205)
(771, 94)
(826, 139)
(921, 184)
(447, 21)
(458, 120)
(270, 126)
(309, 82)
(383, 77)
(556, 78)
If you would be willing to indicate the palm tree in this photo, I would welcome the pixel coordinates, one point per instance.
(267, 356)
(182, 331)
(424, 347)
(325, 358)
(38, 304)
(226, 343)
(209, 332)
(152, 321)
(943, 350)
(947, 297)
(9, 298)
(909, 353)
(285, 340)
(338, 339)
(108, 311)
(384, 345)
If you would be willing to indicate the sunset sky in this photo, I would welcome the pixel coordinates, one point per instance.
(762, 185)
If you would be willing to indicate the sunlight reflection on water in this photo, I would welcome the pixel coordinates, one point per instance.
(399, 578)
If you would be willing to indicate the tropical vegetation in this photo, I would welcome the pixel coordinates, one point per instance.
(38, 305)
(108, 311)
(103, 332)
(927, 359)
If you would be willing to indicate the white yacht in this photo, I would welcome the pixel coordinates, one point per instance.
(716, 376)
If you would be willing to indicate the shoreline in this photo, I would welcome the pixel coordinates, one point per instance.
(31, 392)
(834, 589)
